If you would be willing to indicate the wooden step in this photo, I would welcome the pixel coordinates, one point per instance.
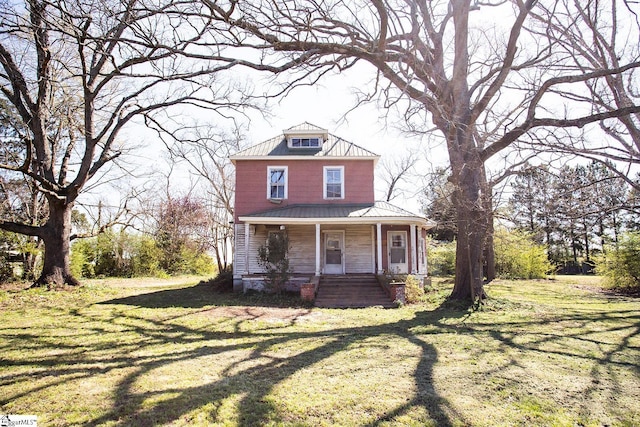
(351, 291)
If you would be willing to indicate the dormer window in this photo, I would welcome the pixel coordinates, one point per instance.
(305, 142)
(309, 139)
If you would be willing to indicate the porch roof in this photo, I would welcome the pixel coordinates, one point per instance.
(371, 213)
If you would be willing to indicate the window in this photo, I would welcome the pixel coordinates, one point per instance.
(334, 182)
(305, 142)
(277, 182)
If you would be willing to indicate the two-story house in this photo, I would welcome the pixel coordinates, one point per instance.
(319, 188)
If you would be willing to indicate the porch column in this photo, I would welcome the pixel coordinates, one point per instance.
(247, 238)
(414, 250)
(379, 246)
(318, 250)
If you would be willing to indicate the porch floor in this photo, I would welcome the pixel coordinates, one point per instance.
(351, 291)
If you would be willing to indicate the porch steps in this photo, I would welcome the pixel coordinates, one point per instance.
(351, 291)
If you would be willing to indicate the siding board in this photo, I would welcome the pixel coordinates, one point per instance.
(358, 246)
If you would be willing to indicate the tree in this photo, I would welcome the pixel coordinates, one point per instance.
(206, 150)
(181, 234)
(596, 37)
(518, 256)
(438, 59)
(621, 265)
(396, 172)
(568, 208)
(437, 202)
(78, 73)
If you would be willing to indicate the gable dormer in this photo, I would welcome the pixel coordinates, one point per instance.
(310, 138)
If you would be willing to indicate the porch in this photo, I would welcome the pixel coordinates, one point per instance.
(335, 240)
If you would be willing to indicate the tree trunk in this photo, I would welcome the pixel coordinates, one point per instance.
(472, 227)
(489, 248)
(57, 245)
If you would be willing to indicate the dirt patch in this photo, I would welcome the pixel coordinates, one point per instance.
(615, 292)
(263, 313)
(14, 286)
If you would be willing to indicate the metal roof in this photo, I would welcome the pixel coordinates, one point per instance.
(369, 213)
(334, 146)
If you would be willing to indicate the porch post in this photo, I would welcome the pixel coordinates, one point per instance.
(379, 246)
(247, 238)
(414, 250)
(318, 250)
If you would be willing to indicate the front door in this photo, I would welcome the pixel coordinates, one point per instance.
(333, 253)
(397, 251)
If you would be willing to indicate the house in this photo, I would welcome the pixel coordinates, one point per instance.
(319, 189)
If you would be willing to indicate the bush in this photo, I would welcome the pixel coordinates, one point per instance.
(273, 258)
(518, 256)
(442, 259)
(223, 282)
(145, 258)
(194, 262)
(413, 291)
(122, 254)
(620, 265)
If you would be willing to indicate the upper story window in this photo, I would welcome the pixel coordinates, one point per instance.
(277, 182)
(333, 182)
(305, 142)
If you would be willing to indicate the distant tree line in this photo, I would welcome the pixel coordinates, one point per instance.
(575, 211)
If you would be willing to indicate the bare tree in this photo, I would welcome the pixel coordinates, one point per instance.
(596, 37)
(78, 73)
(206, 150)
(442, 59)
(394, 172)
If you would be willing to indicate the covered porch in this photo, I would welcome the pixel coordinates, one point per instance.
(334, 240)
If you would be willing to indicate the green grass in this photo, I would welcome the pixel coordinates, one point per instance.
(555, 353)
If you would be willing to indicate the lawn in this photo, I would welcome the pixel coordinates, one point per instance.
(556, 352)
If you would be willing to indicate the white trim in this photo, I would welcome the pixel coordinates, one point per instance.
(318, 250)
(303, 157)
(312, 131)
(340, 220)
(414, 252)
(422, 255)
(379, 247)
(373, 249)
(286, 181)
(325, 169)
(247, 245)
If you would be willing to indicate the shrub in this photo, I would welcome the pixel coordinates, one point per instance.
(273, 258)
(413, 291)
(442, 259)
(223, 282)
(145, 257)
(519, 257)
(194, 262)
(620, 265)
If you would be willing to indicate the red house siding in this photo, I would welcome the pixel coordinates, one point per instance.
(305, 179)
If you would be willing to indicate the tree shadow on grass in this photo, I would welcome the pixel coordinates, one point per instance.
(255, 382)
(255, 365)
(202, 295)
